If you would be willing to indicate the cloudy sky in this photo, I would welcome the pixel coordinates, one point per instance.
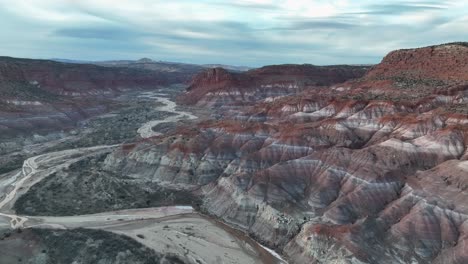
(241, 32)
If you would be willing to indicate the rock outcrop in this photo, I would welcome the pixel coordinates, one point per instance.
(325, 172)
(445, 62)
(413, 74)
(216, 87)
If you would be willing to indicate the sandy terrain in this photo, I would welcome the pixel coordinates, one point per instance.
(146, 130)
(193, 238)
(174, 230)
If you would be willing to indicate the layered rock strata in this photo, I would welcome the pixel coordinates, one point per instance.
(46, 96)
(336, 173)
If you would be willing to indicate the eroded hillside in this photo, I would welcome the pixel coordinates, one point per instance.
(370, 170)
(336, 164)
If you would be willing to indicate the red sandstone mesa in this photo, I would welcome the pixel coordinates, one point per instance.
(222, 86)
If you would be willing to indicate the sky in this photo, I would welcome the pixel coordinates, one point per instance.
(242, 32)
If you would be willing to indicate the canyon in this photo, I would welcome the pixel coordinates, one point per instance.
(284, 163)
(48, 95)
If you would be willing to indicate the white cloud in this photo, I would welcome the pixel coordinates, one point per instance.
(238, 32)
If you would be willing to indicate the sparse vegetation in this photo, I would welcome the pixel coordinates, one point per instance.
(464, 44)
(25, 91)
(85, 188)
(384, 97)
(94, 246)
(461, 108)
(114, 129)
(15, 162)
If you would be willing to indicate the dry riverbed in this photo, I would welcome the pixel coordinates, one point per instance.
(176, 234)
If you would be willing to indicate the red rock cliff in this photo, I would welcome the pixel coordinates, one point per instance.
(276, 80)
(446, 62)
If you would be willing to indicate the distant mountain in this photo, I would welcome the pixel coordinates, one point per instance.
(71, 61)
(48, 95)
(228, 67)
(148, 63)
(160, 66)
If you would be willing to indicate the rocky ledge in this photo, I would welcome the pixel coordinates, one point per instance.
(216, 87)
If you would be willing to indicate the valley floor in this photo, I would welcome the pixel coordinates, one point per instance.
(172, 231)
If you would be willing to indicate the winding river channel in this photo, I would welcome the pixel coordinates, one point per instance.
(208, 241)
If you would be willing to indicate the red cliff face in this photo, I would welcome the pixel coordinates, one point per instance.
(367, 171)
(217, 86)
(214, 80)
(415, 73)
(218, 78)
(446, 62)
